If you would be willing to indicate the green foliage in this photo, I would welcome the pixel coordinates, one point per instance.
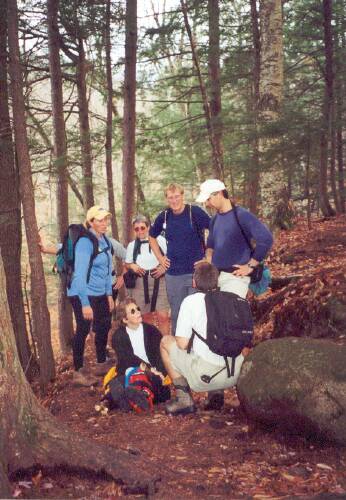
(172, 141)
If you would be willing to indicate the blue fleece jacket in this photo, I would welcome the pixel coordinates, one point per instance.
(228, 243)
(100, 282)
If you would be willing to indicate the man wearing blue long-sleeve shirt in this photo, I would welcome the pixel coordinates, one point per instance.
(228, 247)
(229, 233)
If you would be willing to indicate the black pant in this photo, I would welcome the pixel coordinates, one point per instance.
(101, 325)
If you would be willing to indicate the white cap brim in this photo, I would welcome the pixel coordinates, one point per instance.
(202, 197)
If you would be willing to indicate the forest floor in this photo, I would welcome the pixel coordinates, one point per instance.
(209, 454)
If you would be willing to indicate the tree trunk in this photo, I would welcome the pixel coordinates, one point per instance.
(216, 160)
(129, 123)
(214, 79)
(327, 108)
(270, 100)
(40, 313)
(339, 93)
(60, 163)
(10, 207)
(332, 164)
(254, 170)
(109, 126)
(340, 158)
(29, 435)
(84, 128)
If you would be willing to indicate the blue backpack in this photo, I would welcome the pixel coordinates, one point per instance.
(65, 257)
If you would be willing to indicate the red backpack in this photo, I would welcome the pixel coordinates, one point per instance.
(139, 390)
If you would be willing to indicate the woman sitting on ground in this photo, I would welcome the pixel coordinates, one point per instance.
(136, 342)
(150, 287)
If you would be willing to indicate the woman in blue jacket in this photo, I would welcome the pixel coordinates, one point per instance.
(90, 294)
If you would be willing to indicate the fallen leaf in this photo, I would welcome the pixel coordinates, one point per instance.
(324, 466)
(25, 484)
(37, 479)
(17, 493)
(47, 486)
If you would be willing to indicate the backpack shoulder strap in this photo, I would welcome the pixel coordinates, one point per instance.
(191, 339)
(95, 251)
(241, 227)
(165, 215)
(109, 244)
(136, 249)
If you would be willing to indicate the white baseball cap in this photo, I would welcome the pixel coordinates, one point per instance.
(209, 187)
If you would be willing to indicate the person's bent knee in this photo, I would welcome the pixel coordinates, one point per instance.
(167, 342)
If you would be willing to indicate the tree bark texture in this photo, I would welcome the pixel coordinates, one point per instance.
(40, 313)
(254, 170)
(332, 161)
(30, 436)
(327, 108)
(10, 216)
(109, 125)
(84, 127)
(270, 100)
(216, 160)
(129, 120)
(340, 67)
(60, 163)
(214, 77)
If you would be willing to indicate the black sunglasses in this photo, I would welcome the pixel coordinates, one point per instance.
(133, 311)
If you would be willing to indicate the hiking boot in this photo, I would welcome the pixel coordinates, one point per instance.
(215, 401)
(183, 402)
(83, 378)
(177, 407)
(102, 368)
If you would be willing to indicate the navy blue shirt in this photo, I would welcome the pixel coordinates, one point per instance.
(228, 243)
(184, 245)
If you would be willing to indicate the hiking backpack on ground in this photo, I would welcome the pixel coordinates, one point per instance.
(229, 328)
(64, 264)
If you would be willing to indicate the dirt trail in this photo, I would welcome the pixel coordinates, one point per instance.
(213, 455)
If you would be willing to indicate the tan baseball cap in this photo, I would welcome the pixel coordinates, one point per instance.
(97, 212)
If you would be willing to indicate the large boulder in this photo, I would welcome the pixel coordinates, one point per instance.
(298, 385)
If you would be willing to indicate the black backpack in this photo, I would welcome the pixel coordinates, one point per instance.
(64, 263)
(229, 327)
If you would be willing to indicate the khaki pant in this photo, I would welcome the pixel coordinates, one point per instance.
(192, 367)
(137, 294)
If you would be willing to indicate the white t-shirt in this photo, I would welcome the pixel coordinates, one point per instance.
(193, 314)
(137, 342)
(146, 259)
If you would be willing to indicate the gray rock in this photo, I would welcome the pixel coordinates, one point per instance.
(298, 385)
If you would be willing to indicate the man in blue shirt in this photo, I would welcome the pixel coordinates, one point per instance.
(228, 247)
(183, 226)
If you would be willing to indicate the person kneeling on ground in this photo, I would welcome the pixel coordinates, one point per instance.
(191, 369)
(135, 342)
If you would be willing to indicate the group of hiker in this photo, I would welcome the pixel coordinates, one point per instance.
(168, 266)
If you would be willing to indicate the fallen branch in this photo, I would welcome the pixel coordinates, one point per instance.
(278, 283)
